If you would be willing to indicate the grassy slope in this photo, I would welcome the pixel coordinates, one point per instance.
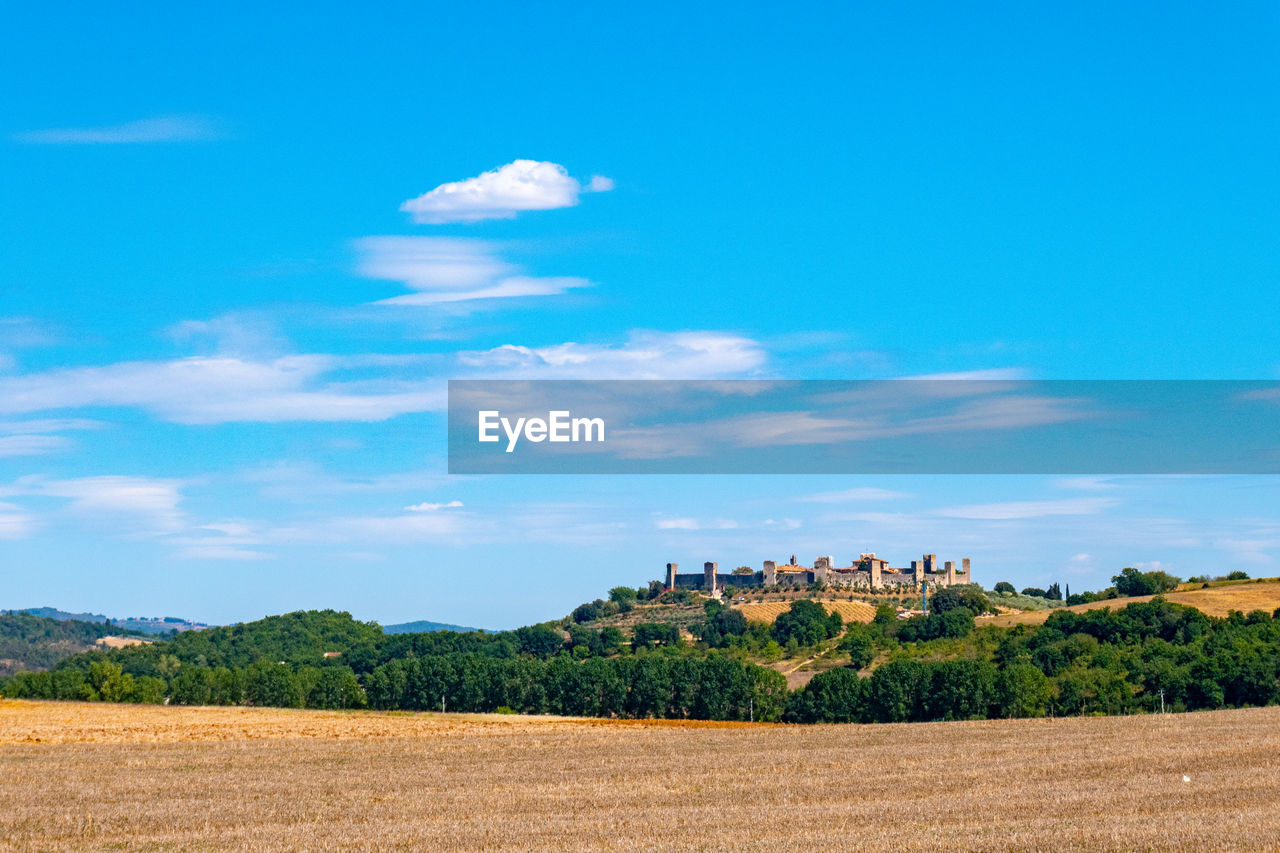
(1217, 600)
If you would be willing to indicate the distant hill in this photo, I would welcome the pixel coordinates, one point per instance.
(424, 627)
(156, 625)
(37, 642)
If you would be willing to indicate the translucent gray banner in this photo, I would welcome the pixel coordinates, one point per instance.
(906, 426)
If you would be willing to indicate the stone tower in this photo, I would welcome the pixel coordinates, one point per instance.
(709, 578)
(672, 569)
(821, 566)
(770, 573)
(950, 567)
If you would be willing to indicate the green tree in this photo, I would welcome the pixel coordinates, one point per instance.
(806, 622)
(1006, 588)
(1022, 690)
(861, 645)
(273, 685)
(148, 690)
(336, 687)
(650, 634)
(109, 681)
(541, 641)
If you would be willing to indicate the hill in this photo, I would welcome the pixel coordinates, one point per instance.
(37, 642)
(146, 625)
(424, 627)
(1216, 600)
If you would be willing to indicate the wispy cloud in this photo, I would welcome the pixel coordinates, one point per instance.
(448, 270)
(1086, 484)
(1028, 509)
(695, 524)
(989, 375)
(32, 445)
(502, 193)
(149, 130)
(307, 482)
(38, 437)
(857, 494)
(15, 523)
(644, 355)
(367, 388)
(130, 505)
(220, 390)
(432, 507)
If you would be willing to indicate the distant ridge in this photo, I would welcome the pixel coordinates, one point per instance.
(158, 625)
(424, 627)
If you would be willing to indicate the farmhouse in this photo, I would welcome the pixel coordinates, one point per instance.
(868, 572)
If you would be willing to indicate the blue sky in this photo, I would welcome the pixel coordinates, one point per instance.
(226, 322)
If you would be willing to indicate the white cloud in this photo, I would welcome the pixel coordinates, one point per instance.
(1250, 549)
(858, 494)
(223, 540)
(1028, 509)
(130, 504)
(307, 482)
(502, 193)
(32, 445)
(162, 129)
(447, 270)
(695, 524)
(14, 522)
(1085, 484)
(430, 507)
(307, 387)
(990, 375)
(645, 355)
(37, 437)
(219, 390)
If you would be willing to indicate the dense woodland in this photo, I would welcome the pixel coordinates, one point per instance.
(1139, 659)
(30, 642)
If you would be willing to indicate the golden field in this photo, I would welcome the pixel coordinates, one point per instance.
(768, 611)
(92, 777)
(1215, 601)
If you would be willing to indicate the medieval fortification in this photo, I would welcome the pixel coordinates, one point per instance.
(869, 573)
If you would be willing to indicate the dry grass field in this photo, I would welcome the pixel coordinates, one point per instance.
(768, 611)
(93, 777)
(1215, 601)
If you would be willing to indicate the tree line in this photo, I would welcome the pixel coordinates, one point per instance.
(1141, 658)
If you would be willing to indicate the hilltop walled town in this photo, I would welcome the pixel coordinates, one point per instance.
(869, 572)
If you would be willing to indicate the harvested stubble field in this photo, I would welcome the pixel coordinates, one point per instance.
(769, 611)
(1215, 601)
(80, 776)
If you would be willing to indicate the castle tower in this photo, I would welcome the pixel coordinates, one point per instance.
(709, 578)
(964, 568)
(950, 568)
(672, 568)
(821, 567)
(770, 573)
(930, 563)
(917, 571)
